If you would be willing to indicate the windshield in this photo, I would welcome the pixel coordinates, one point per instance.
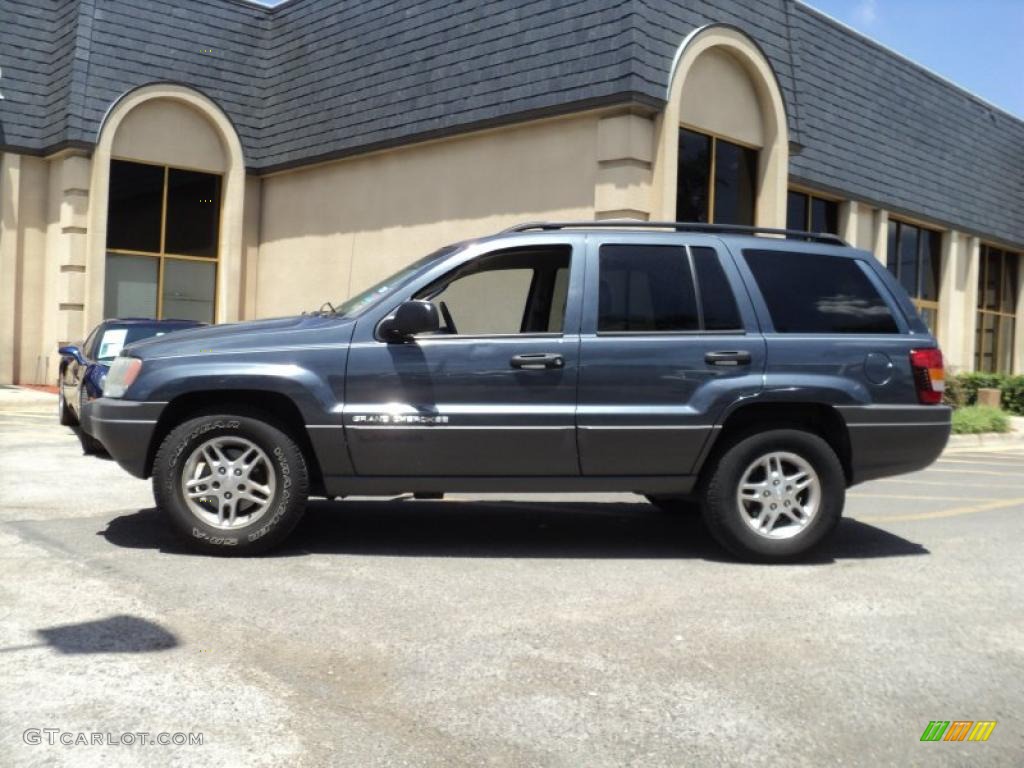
(373, 295)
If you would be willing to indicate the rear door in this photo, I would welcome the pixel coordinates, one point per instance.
(668, 342)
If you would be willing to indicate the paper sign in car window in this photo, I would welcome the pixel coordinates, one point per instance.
(112, 343)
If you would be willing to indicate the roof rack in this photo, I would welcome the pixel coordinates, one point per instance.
(680, 226)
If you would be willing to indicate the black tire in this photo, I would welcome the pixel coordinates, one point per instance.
(286, 461)
(675, 505)
(722, 511)
(90, 445)
(64, 413)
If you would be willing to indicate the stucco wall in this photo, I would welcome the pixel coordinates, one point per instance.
(329, 231)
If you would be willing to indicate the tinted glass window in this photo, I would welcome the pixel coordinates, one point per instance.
(908, 244)
(1010, 282)
(693, 177)
(930, 244)
(893, 248)
(716, 296)
(135, 204)
(810, 293)
(824, 216)
(735, 174)
(188, 288)
(796, 211)
(646, 288)
(193, 213)
(131, 286)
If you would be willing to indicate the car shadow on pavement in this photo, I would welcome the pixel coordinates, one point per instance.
(550, 529)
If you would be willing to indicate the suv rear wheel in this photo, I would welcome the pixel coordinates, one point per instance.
(775, 495)
(231, 483)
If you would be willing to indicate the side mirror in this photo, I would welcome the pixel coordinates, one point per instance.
(73, 352)
(411, 318)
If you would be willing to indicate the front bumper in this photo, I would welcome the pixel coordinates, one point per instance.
(125, 428)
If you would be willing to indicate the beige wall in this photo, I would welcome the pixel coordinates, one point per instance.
(24, 191)
(170, 133)
(720, 98)
(330, 231)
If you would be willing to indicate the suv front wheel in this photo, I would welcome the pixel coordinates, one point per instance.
(231, 483)
(774, 495)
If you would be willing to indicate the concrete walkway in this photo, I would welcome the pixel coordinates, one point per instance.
(14, 398)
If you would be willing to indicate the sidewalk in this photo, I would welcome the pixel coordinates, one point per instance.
(991, 441)
(13, 398)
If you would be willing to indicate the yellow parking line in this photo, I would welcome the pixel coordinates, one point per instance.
(915, 497)
(986, 463)
(959, 484)
(975, 472)
(955, 512)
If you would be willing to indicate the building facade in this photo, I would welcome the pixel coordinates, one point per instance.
(219, 160)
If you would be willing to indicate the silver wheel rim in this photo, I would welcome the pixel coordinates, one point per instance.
(228, 482)
(779, 495)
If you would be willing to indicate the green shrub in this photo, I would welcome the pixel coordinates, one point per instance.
(962, 390)
(976, 419)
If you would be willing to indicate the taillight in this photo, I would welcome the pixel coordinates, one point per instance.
(929, 375)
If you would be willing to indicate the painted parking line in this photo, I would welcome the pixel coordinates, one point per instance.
(957, 483)
(918, 497)
(985, 462)
(975, 472)
(973, 509)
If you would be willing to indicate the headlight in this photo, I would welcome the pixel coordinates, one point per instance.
(123, 372)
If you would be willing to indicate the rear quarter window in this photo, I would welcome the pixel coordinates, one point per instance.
(816, 293)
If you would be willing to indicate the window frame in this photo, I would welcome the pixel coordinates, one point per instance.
(998, 314)
(465, 267)
(163, 255)
(915, 297)
(713, 169)
(691, 267)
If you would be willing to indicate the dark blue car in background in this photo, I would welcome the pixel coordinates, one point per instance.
(84, 366)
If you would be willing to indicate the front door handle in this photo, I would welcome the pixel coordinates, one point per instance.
(537, 361)
(727, 358)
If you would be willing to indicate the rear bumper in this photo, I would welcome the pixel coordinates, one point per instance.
(892, 440)
(125, 428)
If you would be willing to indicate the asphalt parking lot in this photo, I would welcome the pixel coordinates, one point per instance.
(506, 631)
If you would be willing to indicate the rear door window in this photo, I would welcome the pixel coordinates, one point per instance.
(815, 293)
(718, 304)
(664, 289)
(645, 288)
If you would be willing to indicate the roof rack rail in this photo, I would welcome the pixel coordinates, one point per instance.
(680, 226)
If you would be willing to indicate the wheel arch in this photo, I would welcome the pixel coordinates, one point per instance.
(278, 408)
(818, 418)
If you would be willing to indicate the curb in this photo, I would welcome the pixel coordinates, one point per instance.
(990, 441)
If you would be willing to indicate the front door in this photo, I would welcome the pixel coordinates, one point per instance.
(665, 350)
(493, 393)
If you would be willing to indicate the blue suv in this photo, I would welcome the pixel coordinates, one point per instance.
(753, 374)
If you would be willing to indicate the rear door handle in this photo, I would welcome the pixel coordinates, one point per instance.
(727, 358)
(537, 361)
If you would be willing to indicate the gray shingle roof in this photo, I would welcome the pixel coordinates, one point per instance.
(314, 79)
